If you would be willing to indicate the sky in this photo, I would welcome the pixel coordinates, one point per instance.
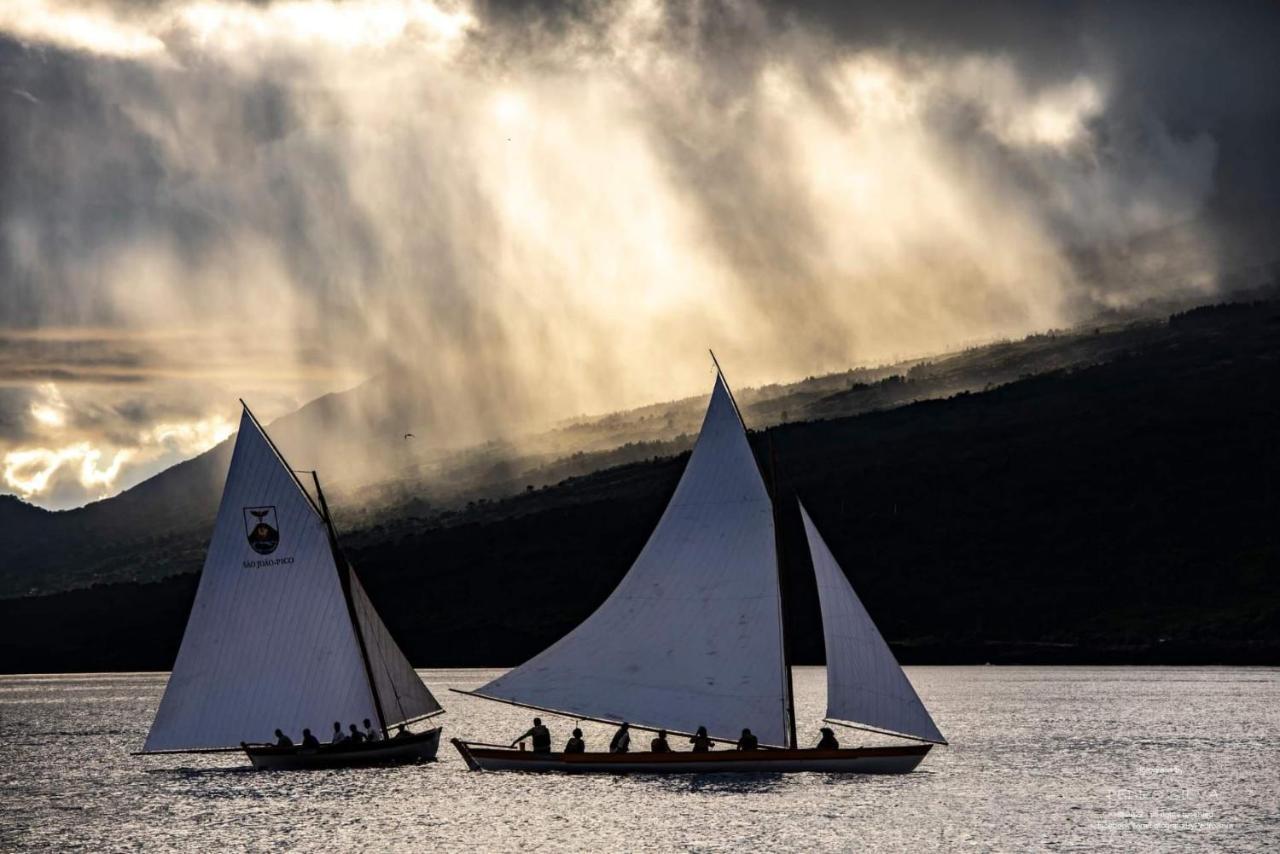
(525, 211)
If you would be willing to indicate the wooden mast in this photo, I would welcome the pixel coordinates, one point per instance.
(344, 577)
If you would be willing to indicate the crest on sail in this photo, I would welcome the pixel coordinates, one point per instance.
(692, 636)
(270, 641)
(865, 684)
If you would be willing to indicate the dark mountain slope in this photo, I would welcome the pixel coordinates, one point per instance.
(1121, 512)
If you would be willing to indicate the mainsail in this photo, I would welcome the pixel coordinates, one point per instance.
(865, 685)
(270, 641)
(692, 636)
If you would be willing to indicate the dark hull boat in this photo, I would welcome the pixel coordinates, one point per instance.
(418, 747)
(282, 637)
(694, 637)
(855, 760)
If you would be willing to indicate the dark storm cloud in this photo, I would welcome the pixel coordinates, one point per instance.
(532, 219)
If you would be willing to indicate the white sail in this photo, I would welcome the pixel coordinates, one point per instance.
(400, 690)
(692, 636)
(270, 642)
(865, 684)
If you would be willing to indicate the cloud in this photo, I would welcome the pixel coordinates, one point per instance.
(521, 211)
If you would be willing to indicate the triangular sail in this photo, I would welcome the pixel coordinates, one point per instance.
(692, 636)
(270, 641)
(865, 684)
(400, 691)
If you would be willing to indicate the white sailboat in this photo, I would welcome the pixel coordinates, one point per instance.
(694, 636)
(282, 635)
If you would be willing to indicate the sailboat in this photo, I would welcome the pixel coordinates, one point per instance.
(694, 636)
(283, 636)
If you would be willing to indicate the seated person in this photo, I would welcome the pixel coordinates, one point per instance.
(701, 741)
(748, 741)
(338, 735)
(309, 740)
(621, 742)
(539, 735)
(370, 734)
(828, 740)
(575, 744)
(283, 740)
(659, 743)
(356, 737)
(403, 732)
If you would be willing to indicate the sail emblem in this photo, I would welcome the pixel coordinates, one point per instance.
(261, 528)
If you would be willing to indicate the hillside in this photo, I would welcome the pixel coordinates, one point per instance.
(159, 528)
(1122, 511)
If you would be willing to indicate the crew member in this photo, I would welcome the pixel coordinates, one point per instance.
(621, 742)
(539, 735)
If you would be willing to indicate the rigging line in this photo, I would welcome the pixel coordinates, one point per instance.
(879, 731)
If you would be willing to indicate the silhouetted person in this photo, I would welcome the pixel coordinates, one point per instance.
(575, 744)
(356, 737)
(338, 735)
(828, 740)
(659, 743)
(621, 742)
(748, 741)
(309, 740)
(403, 732)
(701, 741)
(370, 734)
(283, 740)
(539, 735)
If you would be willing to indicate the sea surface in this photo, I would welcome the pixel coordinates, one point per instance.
(1041, 758)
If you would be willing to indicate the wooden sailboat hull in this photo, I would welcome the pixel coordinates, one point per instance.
(418, 747)
(856, 760)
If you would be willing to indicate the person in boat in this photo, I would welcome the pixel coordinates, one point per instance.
(356, 736)
(403, 732)
(575, 744)
(828, 740)
(370, 734)
(539, 735)
(659, 743)
(701, 741)
(309, 740)
(748, 741)
(338, 735)
(621, 742)
(283, 740)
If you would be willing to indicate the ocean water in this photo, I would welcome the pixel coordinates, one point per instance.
(1062, 759)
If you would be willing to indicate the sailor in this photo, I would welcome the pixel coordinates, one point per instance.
(338, 735)
(356, 737)
(621, 742)
(659, 743)
(370, 734)
(403, 732)
(828, 740)
(283, 740)
(539, 735)
(309, 740)
(575, 744)
(701, 741)
(748, 741)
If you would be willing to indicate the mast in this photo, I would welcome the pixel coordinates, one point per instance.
(344, 578)
(782, 593)
(789, 700)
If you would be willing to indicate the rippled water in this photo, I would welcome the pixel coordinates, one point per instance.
(1118, 759)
